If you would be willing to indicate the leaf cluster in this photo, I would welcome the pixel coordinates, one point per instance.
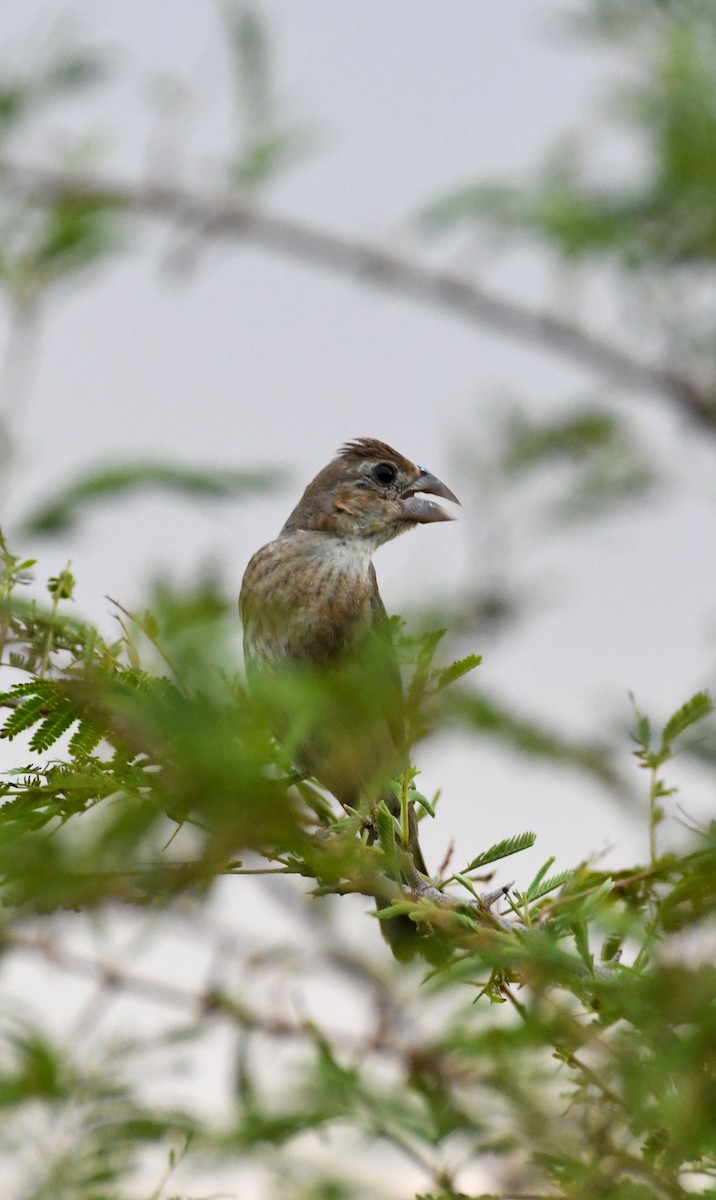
(669, 108)
(586, 1058)
(654, 221)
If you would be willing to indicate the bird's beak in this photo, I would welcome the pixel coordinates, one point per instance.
(416, 508)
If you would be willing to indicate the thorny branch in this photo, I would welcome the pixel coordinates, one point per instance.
(365, 261)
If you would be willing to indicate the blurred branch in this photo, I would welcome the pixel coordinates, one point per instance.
(377, 1042)
(61, 511)
(363, 260)
(16, 376)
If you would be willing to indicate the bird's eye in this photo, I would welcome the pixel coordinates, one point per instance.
(384, 472)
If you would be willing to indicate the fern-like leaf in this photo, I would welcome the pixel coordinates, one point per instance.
(53, 727)
(85, 738)
(426, 653)
(514, 845)
(695, 709)
(545, 886)
(24, 717)
(34, 687)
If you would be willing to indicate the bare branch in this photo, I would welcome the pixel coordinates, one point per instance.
(365, 261)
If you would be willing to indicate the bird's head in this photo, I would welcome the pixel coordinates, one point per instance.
(372, 492)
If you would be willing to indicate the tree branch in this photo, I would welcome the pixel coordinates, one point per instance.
(365, 261)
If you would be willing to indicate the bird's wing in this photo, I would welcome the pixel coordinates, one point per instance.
(390, 696)
(392, 703)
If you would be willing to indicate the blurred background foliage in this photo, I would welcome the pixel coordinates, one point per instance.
(660, 215)
(560, 1049)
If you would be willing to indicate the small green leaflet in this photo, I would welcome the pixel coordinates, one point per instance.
(466, 883)
(456, 670)
(695, 709)
(581, 941)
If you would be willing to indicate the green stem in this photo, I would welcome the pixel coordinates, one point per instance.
(153, 640)
(49, 640)
(404, 819)
(653, 821)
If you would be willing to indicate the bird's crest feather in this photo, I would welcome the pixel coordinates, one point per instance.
(372, 448)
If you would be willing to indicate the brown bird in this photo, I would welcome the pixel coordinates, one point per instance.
(310, 600)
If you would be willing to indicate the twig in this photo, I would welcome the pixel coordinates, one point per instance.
(365, 261)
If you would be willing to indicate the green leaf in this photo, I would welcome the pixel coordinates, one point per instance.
(699, 706)
(503, 849)
(642, 733)
(252, 62)
(465, 204)
(62, 586)
(466, 883)
(263, 159)
(418, 798)
(62, 511)
(65, 73)
(13, 103)
(548, 885)
(464, 919)
(591, 903)
(33, 687)
(24, 717)
(457, 669)
(149, 625)
(401, 908)
(53, 727)
(77, 232)
(386, 832)
(85, 739)
(267, 142)
(573, 438)
(533, 889)
(427, 647)
(581, 941)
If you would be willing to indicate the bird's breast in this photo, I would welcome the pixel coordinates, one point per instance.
(306, 598)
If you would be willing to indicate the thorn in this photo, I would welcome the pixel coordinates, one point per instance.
(487, 899)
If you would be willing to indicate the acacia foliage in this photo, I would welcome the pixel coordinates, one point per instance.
(569, 1043)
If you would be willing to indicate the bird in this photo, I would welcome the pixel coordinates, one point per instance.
(310, 603)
